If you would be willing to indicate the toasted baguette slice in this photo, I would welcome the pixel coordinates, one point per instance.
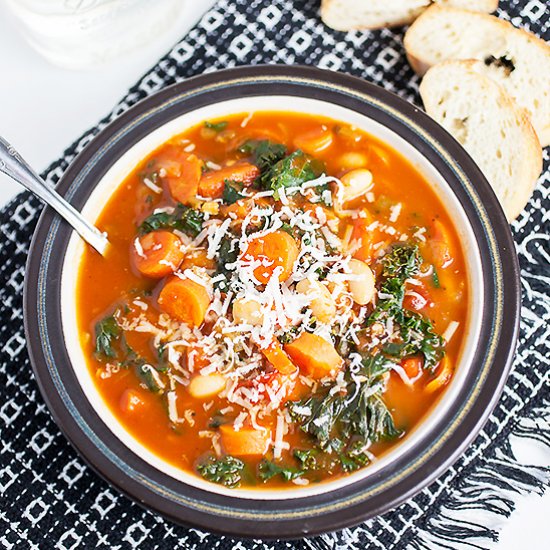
(346, 15)
(515, 58)
(488, 123)
(486, 6)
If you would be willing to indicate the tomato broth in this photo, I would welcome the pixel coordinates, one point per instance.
(284, 300)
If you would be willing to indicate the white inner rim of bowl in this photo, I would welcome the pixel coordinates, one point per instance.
(126, 164)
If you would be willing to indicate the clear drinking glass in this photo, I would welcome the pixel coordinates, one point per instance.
(82, 33)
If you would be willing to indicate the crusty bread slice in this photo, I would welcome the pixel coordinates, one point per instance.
(489, 124)
(516, 59)
(347, 15)
(486, 6)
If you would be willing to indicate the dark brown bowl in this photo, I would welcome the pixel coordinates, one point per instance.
(449, 428)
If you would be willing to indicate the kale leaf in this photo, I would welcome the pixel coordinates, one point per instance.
(333, 419)
(403, 262)
(232, 191)
(183, 218)
(417, 333)
(216, 126)
(435, 279)
(107, 332)
(289, 335)
(111, 345)
(268, 469)
(227, 256)
(149, 173)
(145, 373)
(308, 458)
(226, 471)
(355, 457)
(418, 336)
(291, 171)
(264, 152)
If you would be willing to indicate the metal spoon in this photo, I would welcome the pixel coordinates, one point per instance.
(13, 165)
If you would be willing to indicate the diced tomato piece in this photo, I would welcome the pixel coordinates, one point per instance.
(267, 384)
(361, 234)
(197, 358)
(211, 184)
(417, 298)
(412, 366)
(185, 186)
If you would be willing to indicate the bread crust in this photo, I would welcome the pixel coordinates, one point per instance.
(348, 15)
(501, 35)
(513, 192)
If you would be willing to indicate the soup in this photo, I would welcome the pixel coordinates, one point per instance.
(283, 301)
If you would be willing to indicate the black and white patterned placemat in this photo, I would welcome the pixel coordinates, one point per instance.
(50, 499)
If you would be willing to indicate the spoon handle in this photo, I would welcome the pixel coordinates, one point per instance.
(14, 166)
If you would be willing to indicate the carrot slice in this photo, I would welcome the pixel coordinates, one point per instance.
(314, 141)
(184, 300)
(412, 367)
(185, 186)
(245, 442)
(240, 209)
(276, 356)
(314, 355)
(157, 254)
(444, 374)
(365, 236)
(277, 249)
(212, 183)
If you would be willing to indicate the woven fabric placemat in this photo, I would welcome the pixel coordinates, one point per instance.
(50, 499)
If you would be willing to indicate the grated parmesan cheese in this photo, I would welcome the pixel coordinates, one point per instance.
(450, 330)
(139, 248)
(247, 119)
(395, 210)
(155, 188)
(239, 421)
(172, 408)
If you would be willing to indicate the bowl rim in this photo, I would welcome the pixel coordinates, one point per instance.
(349, 505)
(244, 107)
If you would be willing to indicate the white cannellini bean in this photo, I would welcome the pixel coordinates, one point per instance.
(355, 184)
(361, 286)
(247, 311)
(202, 387)
(352, 160)
(322, 304)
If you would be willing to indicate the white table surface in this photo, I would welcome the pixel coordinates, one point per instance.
(44, 108)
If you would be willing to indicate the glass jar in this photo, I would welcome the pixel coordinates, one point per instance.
(82, 33)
